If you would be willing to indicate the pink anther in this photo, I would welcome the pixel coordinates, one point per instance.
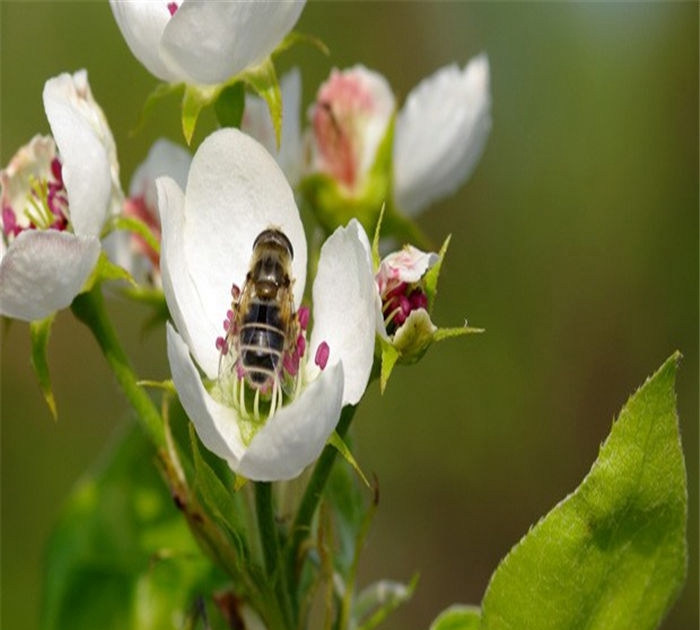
(303, 317)
(322, 354)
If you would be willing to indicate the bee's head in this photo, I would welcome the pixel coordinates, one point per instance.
(274, 237)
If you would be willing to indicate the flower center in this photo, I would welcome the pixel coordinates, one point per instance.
(399, 302)
(261, 359)
(45, 204)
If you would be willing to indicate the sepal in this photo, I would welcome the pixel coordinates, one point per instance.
(39, 332)
(334, 205)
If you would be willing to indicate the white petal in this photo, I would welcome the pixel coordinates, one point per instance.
(408, 264)
(258, 123)
(295, 436)
(235, 190)
(216, 424)
(345, 302)
(181, 294)
(78, 126)
(209, 42)
(43, 270)
(142, 23)
(440, 134)
(164, 158)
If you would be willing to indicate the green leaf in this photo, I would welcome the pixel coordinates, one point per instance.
(432, 276)
(458, 617)
(229, 105)
(263, 81)
(390, 356)
(39, 332)
(121, 556)
(135, 226)
(613, 554)
(294, 37)
(194, 100)
(447, 333)
(223, 503)
(105, 270)
(337, 442)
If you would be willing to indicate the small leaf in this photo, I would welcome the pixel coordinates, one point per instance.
(337, 442)
(446, 333)
(104, 270)
(433, 274)
(40, 332)
(376, 258)
(226, 506)
(458, 617)
(613, 554)
(263, 81)
(294, 37)
(121, 555)
(135, 226)
(194, 100)
(230, 104)
(389, 357)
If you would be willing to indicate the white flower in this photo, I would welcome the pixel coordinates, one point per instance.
(203, 43)
(164, 158)
(258, 123)
(440, 134)
(55, 203)
(235, 190)
(349, 120)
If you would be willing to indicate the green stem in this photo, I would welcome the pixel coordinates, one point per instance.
(312, 497)
(272, 551)
(89, 308)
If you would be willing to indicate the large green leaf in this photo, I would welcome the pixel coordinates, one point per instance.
(613, 554)
(122, 556)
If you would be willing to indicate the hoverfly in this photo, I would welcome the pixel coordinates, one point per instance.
(261, 346)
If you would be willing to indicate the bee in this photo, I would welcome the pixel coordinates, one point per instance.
(262, 326)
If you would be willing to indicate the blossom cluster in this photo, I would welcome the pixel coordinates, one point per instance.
(188, 223)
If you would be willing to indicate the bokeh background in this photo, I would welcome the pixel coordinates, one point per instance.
(575, 244)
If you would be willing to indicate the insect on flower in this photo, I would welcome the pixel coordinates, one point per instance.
(264, 339)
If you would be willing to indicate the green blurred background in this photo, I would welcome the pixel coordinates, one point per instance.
(575, 244)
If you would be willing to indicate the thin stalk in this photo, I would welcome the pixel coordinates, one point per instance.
(271, 548)
(312, 497)
(89, 308)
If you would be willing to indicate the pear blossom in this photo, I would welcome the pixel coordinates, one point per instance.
(235, 190)
(438, 135)
(203, 43)
(57, 194)
(257, 122)
(349, 119)
(404, 300)
(164, 158)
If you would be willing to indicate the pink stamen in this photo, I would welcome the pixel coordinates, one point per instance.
(291, 363)
(57, 171)
(9, 222)
(322, 354)
(240, 371)
(303, 317)
(172, 7)
(418, 299)
(301, 345)
(235, 292)
(227, 325)
(221, 345)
